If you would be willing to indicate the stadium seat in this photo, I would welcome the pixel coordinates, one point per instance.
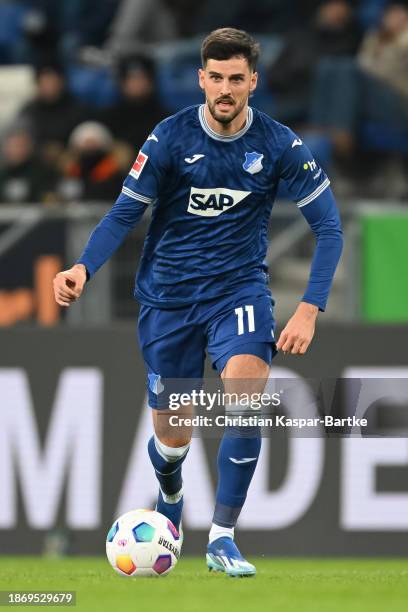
(94, 85)
(381, 137)
(11, 20)
(177, 65)
(370, 12)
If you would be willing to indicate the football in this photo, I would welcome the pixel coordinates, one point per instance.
(143, 543)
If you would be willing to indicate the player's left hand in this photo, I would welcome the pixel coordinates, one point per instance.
(299, 330)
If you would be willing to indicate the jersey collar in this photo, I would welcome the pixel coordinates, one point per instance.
(215, 135)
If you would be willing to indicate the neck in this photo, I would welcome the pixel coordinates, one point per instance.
(227, 129)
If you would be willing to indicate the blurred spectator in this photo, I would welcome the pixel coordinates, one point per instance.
(384, 53)
(347, 94)
(62, 28)
(54, 112)
(24, 178)
(258, 16)
(138, 22)
(138, 109)
(333, 32)
(27, 268)
(94, 170)
(26, 274)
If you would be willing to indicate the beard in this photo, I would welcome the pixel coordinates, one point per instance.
(221, 117)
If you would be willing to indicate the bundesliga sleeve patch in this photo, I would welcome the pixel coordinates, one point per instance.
(138, 166)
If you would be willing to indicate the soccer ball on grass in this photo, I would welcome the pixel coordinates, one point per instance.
(143, 543)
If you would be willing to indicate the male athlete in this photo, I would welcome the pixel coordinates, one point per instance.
(211, 173)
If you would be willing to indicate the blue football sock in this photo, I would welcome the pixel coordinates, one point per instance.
(237, 458)
(173, 511)
(167, 462)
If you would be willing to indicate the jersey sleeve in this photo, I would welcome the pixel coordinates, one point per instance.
(147, 175)
(323, 217)
(304, 179)
(307, 184)
(140, 188)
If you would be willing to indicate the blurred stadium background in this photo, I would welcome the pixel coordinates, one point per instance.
(82, 83)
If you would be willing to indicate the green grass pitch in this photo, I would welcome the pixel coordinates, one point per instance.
(284, 585)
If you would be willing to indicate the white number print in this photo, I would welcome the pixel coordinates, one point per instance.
(251, 319)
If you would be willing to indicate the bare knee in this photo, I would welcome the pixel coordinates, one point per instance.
(245, 374)
(245, 367)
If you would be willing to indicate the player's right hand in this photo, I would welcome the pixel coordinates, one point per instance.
(68, 285)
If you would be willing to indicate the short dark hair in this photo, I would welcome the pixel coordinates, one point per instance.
(224, 43)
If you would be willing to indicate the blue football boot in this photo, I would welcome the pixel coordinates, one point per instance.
(224, 556)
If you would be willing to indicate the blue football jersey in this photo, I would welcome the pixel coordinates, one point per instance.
(212, 197)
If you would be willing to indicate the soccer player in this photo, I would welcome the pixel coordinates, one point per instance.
(210, 174)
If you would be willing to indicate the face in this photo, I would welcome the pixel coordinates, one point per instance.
(334, 14)
(17, 148)
(137, 85)
(227, 85)
(50, 85)
(395, 19)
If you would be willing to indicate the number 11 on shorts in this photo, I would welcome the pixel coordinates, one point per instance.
(251, 319)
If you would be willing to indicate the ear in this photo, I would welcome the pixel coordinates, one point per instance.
(254, 82)
(201, 75)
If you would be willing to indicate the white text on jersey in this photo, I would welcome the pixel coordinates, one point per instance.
(215, 201)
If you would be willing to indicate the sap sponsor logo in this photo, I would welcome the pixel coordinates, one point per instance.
(213, 202)
(139, 164)
(310, 165)
(173, 549)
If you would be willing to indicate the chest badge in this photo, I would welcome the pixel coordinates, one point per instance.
(253, 162)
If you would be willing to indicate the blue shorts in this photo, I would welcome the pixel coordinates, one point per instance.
(173, 342)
